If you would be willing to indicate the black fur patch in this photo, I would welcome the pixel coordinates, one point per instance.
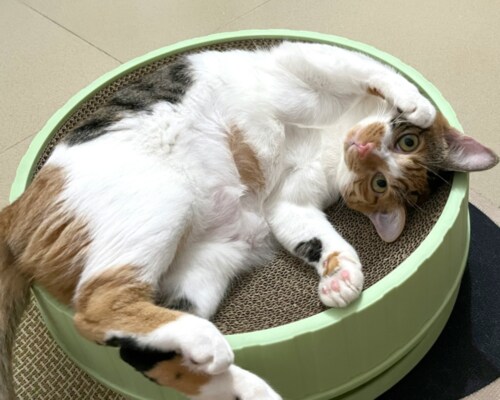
(142, 358)
(310, 250)
(169, 83)
(151, 379)
(113, 342)
(181, 304)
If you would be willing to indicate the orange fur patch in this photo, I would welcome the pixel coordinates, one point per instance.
(246, 161)
(375, 92)
(117, 300)
(48, 242)
(331, 263)
(174, 374)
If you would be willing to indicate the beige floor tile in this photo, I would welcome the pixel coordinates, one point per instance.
(490, 392)
(452, 44)
(9, 160)
(130, 28)
(41, 67)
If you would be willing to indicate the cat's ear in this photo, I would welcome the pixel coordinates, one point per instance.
(466, 154)
(389, 225)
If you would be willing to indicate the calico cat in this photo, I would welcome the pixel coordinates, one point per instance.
(146, 211)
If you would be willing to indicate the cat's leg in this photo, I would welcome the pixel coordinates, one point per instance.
(321, 82)
(116, 307)
(305, 232)
(296, 220)
(172, 348)
(199, 277)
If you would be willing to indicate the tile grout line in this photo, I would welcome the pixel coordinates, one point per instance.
(71, 32)
(5, 150)
(241, 16)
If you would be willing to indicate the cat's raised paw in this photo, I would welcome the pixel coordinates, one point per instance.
(417, 110)
(342, 280)
(405, 98)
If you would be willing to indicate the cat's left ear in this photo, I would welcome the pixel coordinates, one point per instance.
(389, 225)
(466, 154)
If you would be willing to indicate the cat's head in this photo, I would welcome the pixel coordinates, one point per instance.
(387, 161)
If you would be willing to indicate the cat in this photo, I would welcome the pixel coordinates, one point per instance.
(144, 213)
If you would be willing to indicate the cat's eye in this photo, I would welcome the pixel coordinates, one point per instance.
(379, 183)
(408, 142)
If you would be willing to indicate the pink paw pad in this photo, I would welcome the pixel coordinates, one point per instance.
(335, 286)
(345, 275)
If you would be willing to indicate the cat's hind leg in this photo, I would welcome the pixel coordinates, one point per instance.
(170, 347)
(200, 276)
(117, 307)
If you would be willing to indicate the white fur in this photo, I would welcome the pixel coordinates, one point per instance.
(236, 383)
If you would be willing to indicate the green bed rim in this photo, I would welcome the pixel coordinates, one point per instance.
(319, 321)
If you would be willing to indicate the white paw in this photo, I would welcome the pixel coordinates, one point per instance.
(201, 344)
(416, 109)
(237, 383)
(342, 280)
(405, 98)
(248, 386)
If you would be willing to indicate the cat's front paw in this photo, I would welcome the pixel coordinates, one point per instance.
(405, 98)
(341, 281)
(416, 109)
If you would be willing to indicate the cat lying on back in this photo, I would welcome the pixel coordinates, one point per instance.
(186, 179)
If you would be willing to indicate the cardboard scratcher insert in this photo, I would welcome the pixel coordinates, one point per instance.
(285, 290)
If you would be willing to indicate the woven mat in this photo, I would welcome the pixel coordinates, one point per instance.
(279, 293)
(42, 371)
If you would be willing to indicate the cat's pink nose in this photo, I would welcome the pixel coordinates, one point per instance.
(364, 149)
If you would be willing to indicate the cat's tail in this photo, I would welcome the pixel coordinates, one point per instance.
(14, 290)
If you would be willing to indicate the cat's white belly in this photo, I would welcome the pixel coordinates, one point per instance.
(139, 206)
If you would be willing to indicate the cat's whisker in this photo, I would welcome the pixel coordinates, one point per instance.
(403, 197)
(434, 173)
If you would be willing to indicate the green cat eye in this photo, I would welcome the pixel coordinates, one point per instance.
(408, 142)
(379, 183)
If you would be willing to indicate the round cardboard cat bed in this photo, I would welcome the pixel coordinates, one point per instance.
(272, 316)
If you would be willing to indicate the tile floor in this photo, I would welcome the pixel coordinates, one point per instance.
(52, 48)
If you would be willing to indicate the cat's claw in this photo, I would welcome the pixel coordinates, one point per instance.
(342, 280)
